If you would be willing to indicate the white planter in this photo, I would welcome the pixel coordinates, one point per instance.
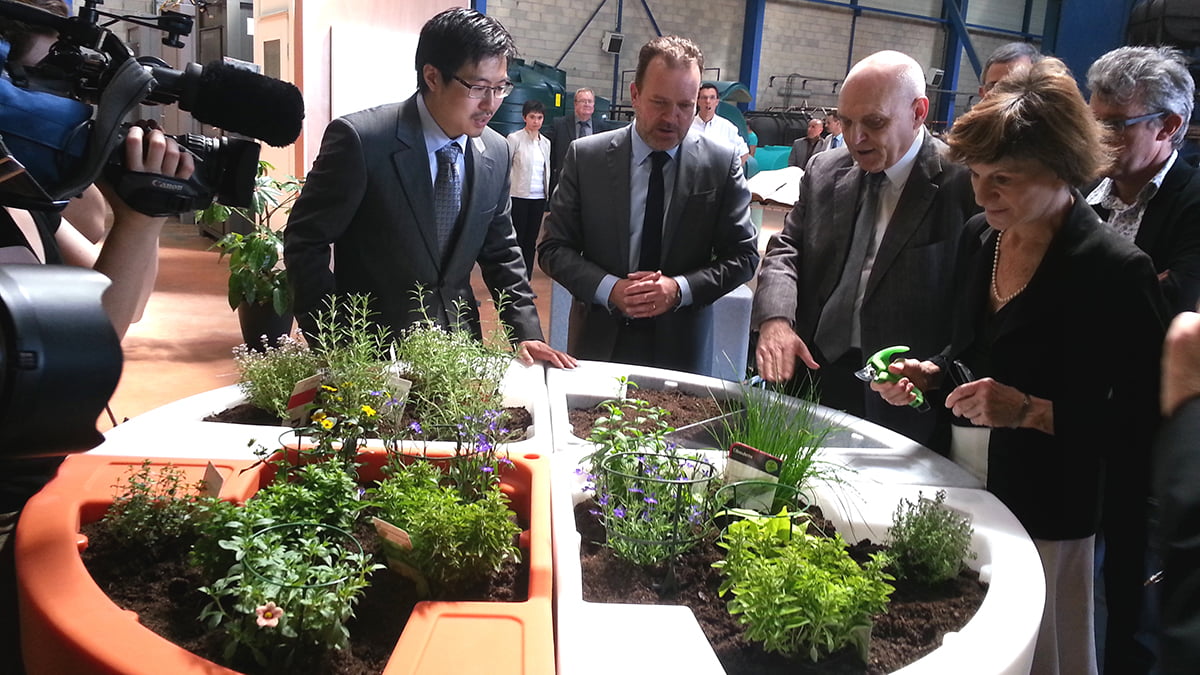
(886, 467)
(999, 639)
(873, 453)
(178, 430)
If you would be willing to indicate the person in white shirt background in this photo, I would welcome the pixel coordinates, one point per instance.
(709, 123)
(530, 179)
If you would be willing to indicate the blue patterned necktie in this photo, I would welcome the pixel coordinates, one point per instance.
(447, 193)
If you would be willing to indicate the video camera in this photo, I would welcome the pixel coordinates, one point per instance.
(52, 146)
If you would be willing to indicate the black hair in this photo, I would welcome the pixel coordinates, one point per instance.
(531, 106)
(458, 36)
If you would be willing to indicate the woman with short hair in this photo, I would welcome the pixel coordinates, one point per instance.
(530, 179)
(1059, 324)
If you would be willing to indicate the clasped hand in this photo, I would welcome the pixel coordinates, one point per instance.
(643, 295)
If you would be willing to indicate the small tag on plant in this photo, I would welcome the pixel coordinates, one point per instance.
(399, 387)
(390, 533)
(212, 481)
(303, 394)
(395, 543)
(750, 464)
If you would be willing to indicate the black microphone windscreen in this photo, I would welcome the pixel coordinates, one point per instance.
(247, 103)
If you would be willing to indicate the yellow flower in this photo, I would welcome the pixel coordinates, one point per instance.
(327, 424)
(370, 412)
(318, 416)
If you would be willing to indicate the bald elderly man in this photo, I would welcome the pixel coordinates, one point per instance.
(865, 257)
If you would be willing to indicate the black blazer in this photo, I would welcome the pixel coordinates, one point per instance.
(1170, 234)
(1086, 334)
(1177, 474)
(370, 195)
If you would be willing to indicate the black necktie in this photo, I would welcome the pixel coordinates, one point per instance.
(652, 223)
(584, 129)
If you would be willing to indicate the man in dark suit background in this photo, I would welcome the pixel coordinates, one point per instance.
(843, 279)
(1150, 196)
(650, 224)
(567, 128)
(414, 194)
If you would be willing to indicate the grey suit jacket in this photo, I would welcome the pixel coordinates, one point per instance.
(370, 195)
(909, 293)
(708, 238)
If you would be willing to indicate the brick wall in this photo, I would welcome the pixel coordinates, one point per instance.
(798, 37)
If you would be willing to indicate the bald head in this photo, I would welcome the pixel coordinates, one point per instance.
(882, 106)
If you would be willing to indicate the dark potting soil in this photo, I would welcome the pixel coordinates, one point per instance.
(682, 408)
(161, 588)
(517, 419)
(916, 619)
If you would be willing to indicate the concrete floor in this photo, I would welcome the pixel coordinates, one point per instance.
(183, 344)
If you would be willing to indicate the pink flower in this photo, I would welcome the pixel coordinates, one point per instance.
(268, 615)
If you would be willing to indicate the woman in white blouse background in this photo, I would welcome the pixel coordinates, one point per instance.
(530, 179)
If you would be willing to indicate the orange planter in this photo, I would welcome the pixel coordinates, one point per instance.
(68, 625)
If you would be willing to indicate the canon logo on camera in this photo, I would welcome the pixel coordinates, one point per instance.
(172, 186)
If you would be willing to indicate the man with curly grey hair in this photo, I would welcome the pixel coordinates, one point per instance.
(1151, 196)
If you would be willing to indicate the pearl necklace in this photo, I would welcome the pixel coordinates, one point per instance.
(1002, 299)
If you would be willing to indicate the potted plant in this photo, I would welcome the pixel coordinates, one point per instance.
(258, 286)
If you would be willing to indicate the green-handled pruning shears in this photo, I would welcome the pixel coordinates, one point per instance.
(876, 370)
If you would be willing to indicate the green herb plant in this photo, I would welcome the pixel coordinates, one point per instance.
(800, 594)
(787, 428)
(354, 403)
(455, 540)
(653, 500)
(290, 593)
(267, 377)
(152, 509)
(929, 542)
(454, 375)
(287, 574)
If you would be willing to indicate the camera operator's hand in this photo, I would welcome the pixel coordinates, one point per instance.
(129, 255)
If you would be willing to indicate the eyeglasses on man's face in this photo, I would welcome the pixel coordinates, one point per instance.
(1118, 125)
(480, 91)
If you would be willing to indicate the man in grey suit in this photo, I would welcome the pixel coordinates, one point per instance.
(567, 128)
(650, 224)
(804, 148)
(859, 268)
(412, 195)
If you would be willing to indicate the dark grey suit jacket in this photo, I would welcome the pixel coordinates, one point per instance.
(370, 195)
(1170, 234)
(708, 238)
(565, 130)
(908, 295)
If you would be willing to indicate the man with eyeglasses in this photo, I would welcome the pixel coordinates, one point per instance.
(1144, 95)
(580, 124)
(412, 195)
